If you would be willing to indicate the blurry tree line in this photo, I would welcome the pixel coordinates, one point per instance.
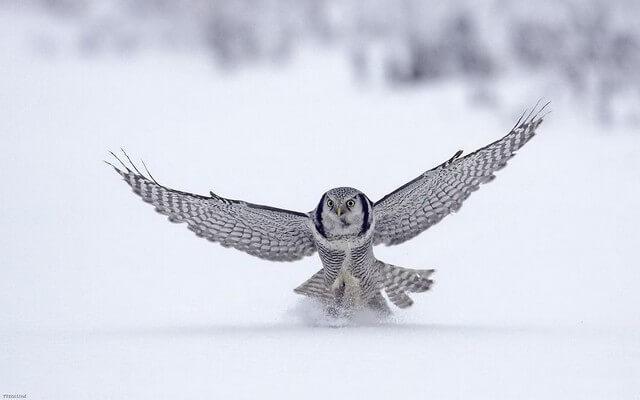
(591, 46)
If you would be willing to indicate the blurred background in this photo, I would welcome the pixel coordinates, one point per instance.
(584, 51)
(274, 102)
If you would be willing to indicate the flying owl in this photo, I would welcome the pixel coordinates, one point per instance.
(344, 226)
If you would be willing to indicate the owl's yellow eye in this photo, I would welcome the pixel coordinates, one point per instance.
(330, 203)
(351, 203)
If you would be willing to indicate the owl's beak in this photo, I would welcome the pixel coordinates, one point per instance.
(339, 211)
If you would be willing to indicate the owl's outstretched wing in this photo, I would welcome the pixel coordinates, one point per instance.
(265, 232)
(424, 201)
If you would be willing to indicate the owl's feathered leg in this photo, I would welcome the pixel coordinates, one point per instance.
(397, 281)
(316, 288)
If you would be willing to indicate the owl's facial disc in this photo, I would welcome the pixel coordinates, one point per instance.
(341, 213)
(340, 210)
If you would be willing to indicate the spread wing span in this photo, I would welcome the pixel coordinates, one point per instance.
(424, 201)
(265, 232)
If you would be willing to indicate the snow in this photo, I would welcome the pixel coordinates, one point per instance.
(536, 292)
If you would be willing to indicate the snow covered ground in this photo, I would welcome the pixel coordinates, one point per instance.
(537, 283)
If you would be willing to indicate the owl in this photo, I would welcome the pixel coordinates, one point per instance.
(344, 226)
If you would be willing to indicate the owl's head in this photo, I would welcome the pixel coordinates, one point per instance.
(343, 211)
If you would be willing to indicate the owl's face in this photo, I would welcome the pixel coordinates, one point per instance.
(343, 212)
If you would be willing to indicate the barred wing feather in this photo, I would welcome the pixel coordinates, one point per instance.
(424, 201)
(266, 232)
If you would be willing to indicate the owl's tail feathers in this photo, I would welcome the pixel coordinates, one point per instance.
(397, 281)
(315, 287)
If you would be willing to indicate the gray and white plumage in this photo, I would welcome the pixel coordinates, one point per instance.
(265, 232)
(344, 226)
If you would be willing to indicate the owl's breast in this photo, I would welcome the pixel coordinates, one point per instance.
(333, 257)
(356, 258)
